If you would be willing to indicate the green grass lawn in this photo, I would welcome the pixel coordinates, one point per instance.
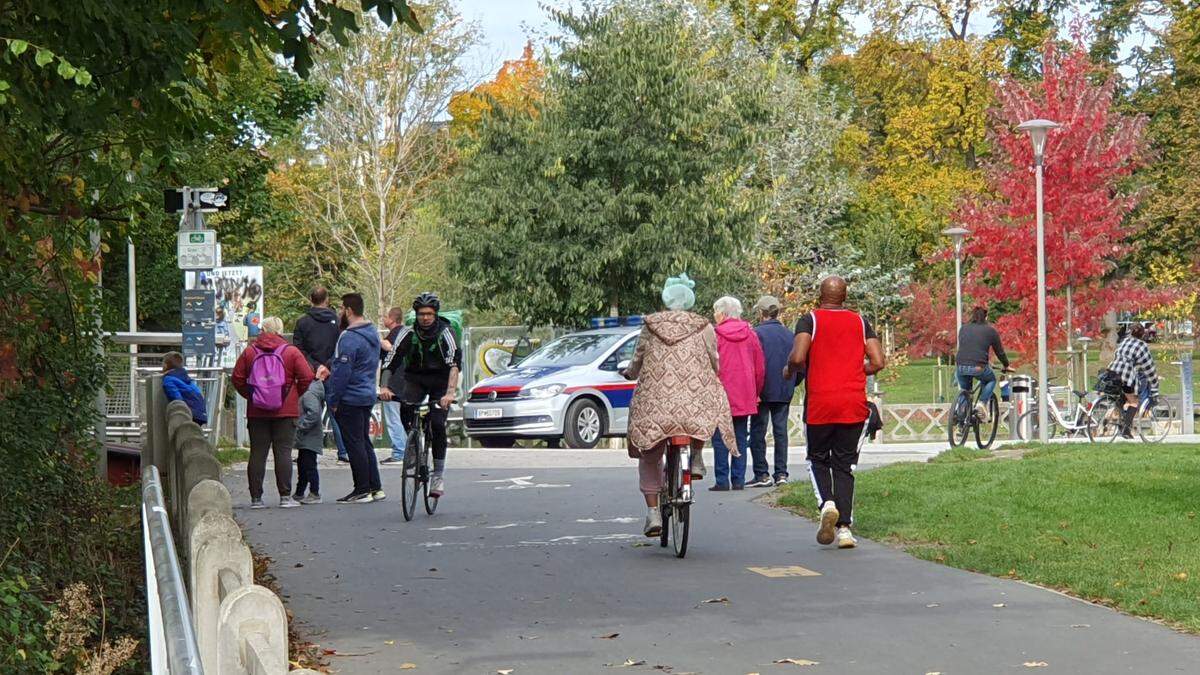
(1111, 523)
(229, 455)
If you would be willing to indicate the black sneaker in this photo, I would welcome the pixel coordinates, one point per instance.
(391, 460)
(781, 480)
(719, 488)
(356, 498)
(739, 487)
(761, 482)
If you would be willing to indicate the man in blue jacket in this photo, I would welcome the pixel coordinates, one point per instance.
(350, 393)
(775, 399)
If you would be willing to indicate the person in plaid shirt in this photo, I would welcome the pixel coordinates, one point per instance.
(1131, 364)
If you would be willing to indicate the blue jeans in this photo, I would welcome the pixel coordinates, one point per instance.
(984, 374)
(337, 437)
(735, 475)
(394, 422)
(775, 414)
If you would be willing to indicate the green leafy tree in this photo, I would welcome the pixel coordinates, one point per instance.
(633, 169)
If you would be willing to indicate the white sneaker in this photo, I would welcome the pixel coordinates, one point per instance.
(829, 517)
(257, 503)
(288, 503)
(845, 539)
(437, 486)
(653, 526)
(982, 411)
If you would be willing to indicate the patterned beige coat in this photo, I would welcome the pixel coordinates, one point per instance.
(678, 392)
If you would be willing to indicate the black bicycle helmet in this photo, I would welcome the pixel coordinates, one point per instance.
(427, 299)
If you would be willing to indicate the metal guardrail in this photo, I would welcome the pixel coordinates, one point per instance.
(173, 647)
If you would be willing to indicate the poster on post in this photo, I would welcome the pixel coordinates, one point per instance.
(238, 307)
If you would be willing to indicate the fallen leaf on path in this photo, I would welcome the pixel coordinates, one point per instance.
(506, 671)
(1081, 625)
(529, 637)
(640, 544)
(797, 662)
(1035, 664)
(1182, 576)
(629, 663)
(712, 601)
(389, 642)
(998, 605)
(610, 636)
(932, 605)
(408, 666)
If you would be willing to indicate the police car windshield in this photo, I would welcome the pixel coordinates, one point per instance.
(571, 350)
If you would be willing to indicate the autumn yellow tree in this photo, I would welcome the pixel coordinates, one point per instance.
(517, 86)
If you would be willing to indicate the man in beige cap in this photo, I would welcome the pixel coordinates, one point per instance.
(775, 399)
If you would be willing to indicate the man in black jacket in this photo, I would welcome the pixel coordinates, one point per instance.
(431, 361)
(316, 332)
(393, 386)
(316, 337)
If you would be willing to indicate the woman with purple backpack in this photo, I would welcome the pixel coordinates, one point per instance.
(271, 375)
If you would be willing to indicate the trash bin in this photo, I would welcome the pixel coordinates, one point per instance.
(1022, 397)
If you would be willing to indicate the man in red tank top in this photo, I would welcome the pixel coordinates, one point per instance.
(836, 349)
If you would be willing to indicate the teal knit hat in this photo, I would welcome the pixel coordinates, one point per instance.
(677, 293)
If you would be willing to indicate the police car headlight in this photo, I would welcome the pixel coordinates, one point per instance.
(543, 391)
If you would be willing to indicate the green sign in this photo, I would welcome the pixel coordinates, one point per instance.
(196, 237)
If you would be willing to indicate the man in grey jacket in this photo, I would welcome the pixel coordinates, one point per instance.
(975, 341)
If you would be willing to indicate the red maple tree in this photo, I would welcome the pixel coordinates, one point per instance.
(929, 317)
(1087, 211)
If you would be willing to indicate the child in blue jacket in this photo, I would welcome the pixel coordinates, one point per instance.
(178, 386)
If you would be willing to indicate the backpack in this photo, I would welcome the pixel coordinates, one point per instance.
(268, 378)
(454, 316)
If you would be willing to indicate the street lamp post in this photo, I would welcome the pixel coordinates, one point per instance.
(957, 234)
(1038, 129)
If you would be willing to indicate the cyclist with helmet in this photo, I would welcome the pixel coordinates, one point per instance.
(432, 361)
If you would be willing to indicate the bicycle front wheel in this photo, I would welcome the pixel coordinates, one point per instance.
(1154, 420)
(958, 423)
(410, 481)
(989, 429)
(1104, 424)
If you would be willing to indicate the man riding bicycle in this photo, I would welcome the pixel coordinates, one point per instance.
(975, 340)
(432, 363)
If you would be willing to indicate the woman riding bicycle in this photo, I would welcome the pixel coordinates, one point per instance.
(1133, 365)
(975, 340)
(678, 392)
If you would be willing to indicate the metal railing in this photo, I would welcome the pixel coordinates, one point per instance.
(231, 625)
(173, 645)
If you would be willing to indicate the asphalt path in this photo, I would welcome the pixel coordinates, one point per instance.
(544, 570)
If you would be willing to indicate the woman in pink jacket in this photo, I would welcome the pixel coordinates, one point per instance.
(741, 370)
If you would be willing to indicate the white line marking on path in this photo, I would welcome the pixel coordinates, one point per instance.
(518, 524)
(623, 519)
(448, 527)
(523, 483)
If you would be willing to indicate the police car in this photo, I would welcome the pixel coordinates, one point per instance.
(570, 390)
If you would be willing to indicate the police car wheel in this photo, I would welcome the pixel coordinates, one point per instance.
(497, 441)
(585, 424)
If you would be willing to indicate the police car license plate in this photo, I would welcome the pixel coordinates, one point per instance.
(489, 413)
